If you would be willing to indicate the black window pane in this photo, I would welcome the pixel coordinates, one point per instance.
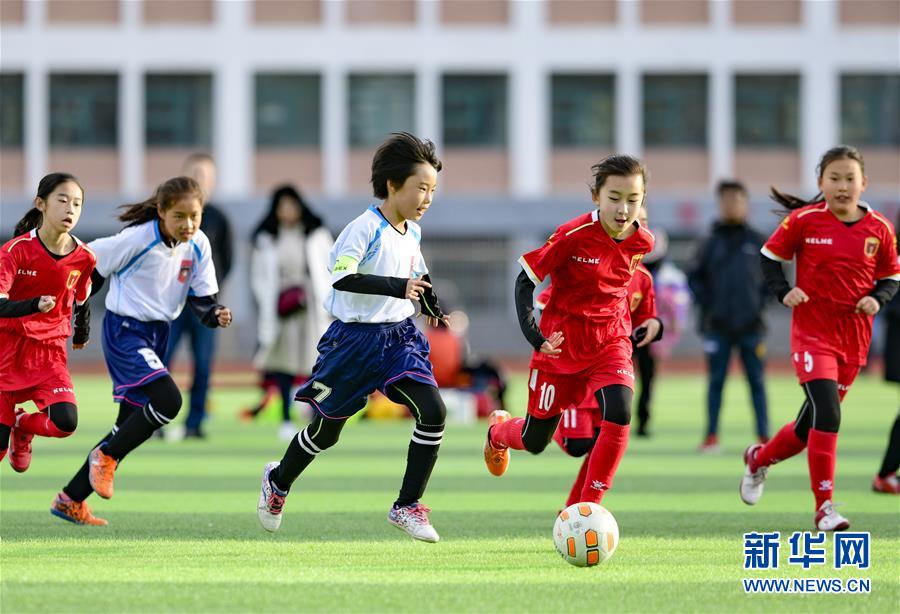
(582, 110)
(379, 105)
(767, 110)
(474, 110)
(288, 110)
(84, 110)
(178, 110)
(675, 110)
(870, 109)
(12, 109)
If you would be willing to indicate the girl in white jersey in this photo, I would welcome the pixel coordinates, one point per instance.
(377, 269)
(160, 261)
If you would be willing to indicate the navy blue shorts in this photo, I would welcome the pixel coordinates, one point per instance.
(356, 359)
(133, 351)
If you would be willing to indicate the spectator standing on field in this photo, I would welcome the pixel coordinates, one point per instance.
(730, 293)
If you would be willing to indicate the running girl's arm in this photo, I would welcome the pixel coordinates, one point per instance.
(18, 309)
(206, 308)
(430, 305)
(524, 294)
(362, 283)
(884, 291)
(81, 327)
(773, 273)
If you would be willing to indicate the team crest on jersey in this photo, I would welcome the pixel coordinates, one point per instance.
(635, 301)
(871, 247)
(184, 271)
(634, 262)
(73, 279)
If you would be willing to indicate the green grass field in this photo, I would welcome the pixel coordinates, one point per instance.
(183, 533)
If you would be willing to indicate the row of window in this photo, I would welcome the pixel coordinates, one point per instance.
(83, 109)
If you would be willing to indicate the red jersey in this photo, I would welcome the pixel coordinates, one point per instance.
(837, 265)
(27, 271)
(591, 273)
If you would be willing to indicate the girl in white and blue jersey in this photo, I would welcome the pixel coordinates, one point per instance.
(377, 269)
(159, 262)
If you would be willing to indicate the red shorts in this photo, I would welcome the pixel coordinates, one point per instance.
(579, 422)
(32, 370)
(815, 365)
(551, 393)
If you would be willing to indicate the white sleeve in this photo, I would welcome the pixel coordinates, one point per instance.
(349, 249)
(121, 250)
(203, 277)
(420, 268)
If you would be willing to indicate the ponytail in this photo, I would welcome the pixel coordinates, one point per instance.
(34, 218)
(841, 152)
(166, 195)
(31, 220)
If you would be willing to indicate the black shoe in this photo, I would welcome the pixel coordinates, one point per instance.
(643, 433)
(194, 433)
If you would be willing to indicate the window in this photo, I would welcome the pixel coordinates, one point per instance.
(288, 110)
(675, 110)
(476, 268)
(474, 110)
(379, 105)
(582, 110)
(12, 109)
(870, 109)
(767, 110)
(178, 110)
(84, 110)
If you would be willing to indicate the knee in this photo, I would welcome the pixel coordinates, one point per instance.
(64, 418)
(536, 443)
(615, 401)
(433, 413)
(165, 397)
(320, 436)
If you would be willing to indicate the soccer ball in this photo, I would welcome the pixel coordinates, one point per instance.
(585, 534)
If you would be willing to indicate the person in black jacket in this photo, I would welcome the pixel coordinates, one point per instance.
(730, 293)
(201, 167)
(886, 480)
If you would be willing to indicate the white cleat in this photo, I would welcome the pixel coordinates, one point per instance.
(827, 519)
(414, 520)
(287, 431)
(753, 481)
(271, 502)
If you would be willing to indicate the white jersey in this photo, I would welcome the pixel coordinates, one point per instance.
(148, 280)
(371, 245)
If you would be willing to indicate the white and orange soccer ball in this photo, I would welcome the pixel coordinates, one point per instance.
(585, 534)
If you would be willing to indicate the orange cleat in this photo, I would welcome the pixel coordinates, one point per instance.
(75, 511)
(102, 470)
(497, 460)
(889, 485)
(20, 445)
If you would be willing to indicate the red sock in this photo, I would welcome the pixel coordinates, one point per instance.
(39, 424)
(508, 434)
(578, 486)
(604, 460)
(821, 458)
(782, 446)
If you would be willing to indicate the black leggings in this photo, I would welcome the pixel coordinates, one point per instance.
(821, 410)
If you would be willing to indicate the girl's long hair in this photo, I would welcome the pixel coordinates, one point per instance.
(165, 197)
(34, 218)
(841, 152)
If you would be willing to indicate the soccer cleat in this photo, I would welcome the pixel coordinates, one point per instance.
(271, 501)
(889, 485)
(710, 445)
(414, 520)
(287, 431)
(75, 511)
(20, 445)
(752, 482)
(827, 519)
(497, 460)
(102, 469)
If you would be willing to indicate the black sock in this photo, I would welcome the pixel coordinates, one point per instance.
(892, 456)
(420, 460)
(296, 458)
(134, 431)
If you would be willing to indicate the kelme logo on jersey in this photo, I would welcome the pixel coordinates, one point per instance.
(184, 271)
(584, 260)
(73, 279)
(871, 247)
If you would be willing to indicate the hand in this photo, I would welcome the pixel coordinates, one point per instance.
(868, 305)
(415, 288)
(551, 345)
(435, 322)
(223, 315)
(650, 328)
(795, 297)
(46, 303)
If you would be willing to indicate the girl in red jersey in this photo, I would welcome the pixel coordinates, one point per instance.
(44, 271)
(847, 269)
(583, 344)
